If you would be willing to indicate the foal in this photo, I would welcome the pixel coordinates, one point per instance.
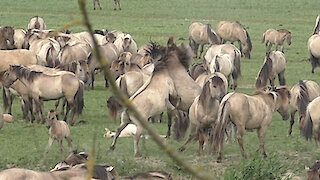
(57, 130)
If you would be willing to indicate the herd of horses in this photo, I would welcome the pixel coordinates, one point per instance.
(159, 79)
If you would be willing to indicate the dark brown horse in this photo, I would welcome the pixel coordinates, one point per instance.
(6, 35)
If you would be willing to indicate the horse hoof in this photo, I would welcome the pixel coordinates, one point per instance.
(219, 160)
(137, 155)
(112, 148)
(182, 149)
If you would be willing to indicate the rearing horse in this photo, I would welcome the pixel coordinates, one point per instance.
(234, 31)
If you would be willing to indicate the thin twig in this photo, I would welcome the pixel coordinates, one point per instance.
(198, 173)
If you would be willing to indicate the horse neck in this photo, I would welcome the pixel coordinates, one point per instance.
(270, 100)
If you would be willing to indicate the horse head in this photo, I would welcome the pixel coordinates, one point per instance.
(10, 76)
(127, 39)
(282, 101)
(52, 116)
(8, 32)
(29, 38)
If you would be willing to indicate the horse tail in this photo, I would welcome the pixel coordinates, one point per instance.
(37, 24)
(237, 65)
(302, 98)
(212, 36)
(78, 97)
(307, 127)
(5, 99)
(263, 38)
(181, 125)
(317, 26)
(49, 57)
(220, 126)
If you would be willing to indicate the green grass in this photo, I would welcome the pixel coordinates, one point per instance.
(22, 144)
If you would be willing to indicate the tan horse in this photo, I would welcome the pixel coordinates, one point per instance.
(204, 110)
(58, 130)
(313, 46)
(16, 57)
(224, 58)
(19, 35)
(310, 124)
(66, 85)
(301, 94)
(249, 112)
(276, 37)
(47, 49)
(37, 23)
(160, 85)
(125, 43)
(109, 52)
(274, 65)
(200, 34)
(234, 31)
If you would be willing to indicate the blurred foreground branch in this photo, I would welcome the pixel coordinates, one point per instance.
(198, 173)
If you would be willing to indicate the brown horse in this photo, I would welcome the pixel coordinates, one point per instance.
(310, 124)
(235, 31)
(200, 34)
(204, 110)
(276, 37)
(6, 37)
(274, 64)
(249, 112)
(301, 94)
(313, 46)
(66, 85)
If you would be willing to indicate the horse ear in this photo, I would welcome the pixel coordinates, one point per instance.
(170, 42)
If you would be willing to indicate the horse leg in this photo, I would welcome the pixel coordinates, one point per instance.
(99, 4)
(293, 112)
(240, 48)
(234, 80)
(261, 133)
(161, 117)
(193, 134)
(11, 97)
(269, 48)
(61, 145)
(169, 114)
(63, 106)
(115, 5)
(94, 4)
(201, 50)
(69, 140)
(313, 61)
(125, 121)
(50, 142)
(282, 80)
(67, 112)
(92, 80)
(136, 141)
(271, 80)
(119, 5)
(56, 104)
(240, 141)
(202, 138)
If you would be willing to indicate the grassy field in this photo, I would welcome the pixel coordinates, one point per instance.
(22, 144)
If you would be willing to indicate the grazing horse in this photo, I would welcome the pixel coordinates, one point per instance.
(310, 124)
(58, 130)
(66, 85)
(301, 94)
(224, 58)
(200, 34)
(161, 85)
(274, 64)
(314, 47)
(276, 37)
(249, 112)
(6, 37)
(203, 111)
(234, 31)
(37, 23)
(96, 2)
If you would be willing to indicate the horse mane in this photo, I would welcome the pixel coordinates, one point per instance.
(197, 70)
(284, 31)
(247, 34)
(264, 73)
(302, 98)
(184, 54)
(25, 73)
(72, 67)
(213, 39)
